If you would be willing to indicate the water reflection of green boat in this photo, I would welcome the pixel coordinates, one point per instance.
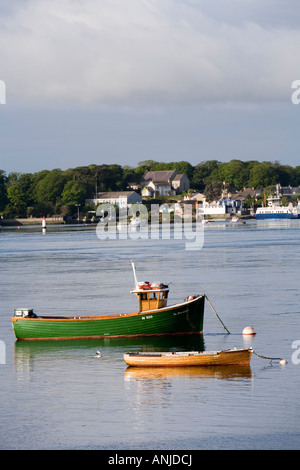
(108, 345)
(27, 353)
(153, 318)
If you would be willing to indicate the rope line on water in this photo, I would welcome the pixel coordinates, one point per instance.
(280, 359)
(216, 314)
(270, 358)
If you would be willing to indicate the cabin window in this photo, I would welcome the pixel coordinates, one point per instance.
(163, 295)
(152, 295)
(144, 296)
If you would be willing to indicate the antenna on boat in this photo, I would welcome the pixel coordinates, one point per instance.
(134, 273)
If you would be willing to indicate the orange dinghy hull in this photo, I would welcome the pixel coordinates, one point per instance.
(235, 356)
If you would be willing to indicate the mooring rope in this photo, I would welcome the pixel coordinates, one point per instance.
(216, 314)
(270, 358)
(280, 359)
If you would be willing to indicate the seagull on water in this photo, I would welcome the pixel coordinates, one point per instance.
(98, 354)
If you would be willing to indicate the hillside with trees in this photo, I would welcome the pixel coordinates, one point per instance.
(50, 192)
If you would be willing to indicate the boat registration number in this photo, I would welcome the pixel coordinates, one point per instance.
(181, 312)
(147, 317)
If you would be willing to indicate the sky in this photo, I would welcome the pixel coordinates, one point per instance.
(123, 81)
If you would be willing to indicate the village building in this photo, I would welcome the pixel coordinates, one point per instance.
(164, 183)
(116, 198)
(288, 191)
(133, 186)
(220, 207)
(250, 192)
(231, 205)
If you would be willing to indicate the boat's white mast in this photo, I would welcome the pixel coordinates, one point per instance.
(134, 273)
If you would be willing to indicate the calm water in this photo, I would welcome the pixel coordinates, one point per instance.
(57, 395)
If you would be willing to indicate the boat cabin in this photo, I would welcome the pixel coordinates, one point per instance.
(151, 296)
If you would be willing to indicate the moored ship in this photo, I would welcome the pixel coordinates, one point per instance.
(153, 318)
(276, 212)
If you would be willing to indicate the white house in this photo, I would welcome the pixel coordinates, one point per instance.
(117, 198)
(164, 183)
(220, 207)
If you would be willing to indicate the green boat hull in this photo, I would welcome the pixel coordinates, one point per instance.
(184, 318)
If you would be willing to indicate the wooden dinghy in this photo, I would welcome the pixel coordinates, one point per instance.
(228, 357)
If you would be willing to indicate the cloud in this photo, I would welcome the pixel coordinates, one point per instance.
(143, 53)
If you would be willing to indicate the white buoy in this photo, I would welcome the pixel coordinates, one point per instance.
(282, 362)
(44, 225)
(248, 330)
(98, 354)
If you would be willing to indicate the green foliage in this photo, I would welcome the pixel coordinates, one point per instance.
(213, 190)
(262, 175)
(17, 198)
(19, 193)
(202, 172)
(235, 172)
(49, 188)
(57, 192)
(296, 174)
(3, 190)
(74, 192)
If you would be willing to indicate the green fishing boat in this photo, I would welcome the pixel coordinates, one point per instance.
(153, 318)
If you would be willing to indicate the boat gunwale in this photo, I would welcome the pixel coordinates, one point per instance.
(187, 353)
(107, 317)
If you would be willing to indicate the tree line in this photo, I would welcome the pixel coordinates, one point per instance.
(57, 191)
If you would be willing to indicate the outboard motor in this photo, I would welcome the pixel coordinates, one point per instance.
(24, 313)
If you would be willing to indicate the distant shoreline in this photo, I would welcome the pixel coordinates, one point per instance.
(31, 221)
(37, 221)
